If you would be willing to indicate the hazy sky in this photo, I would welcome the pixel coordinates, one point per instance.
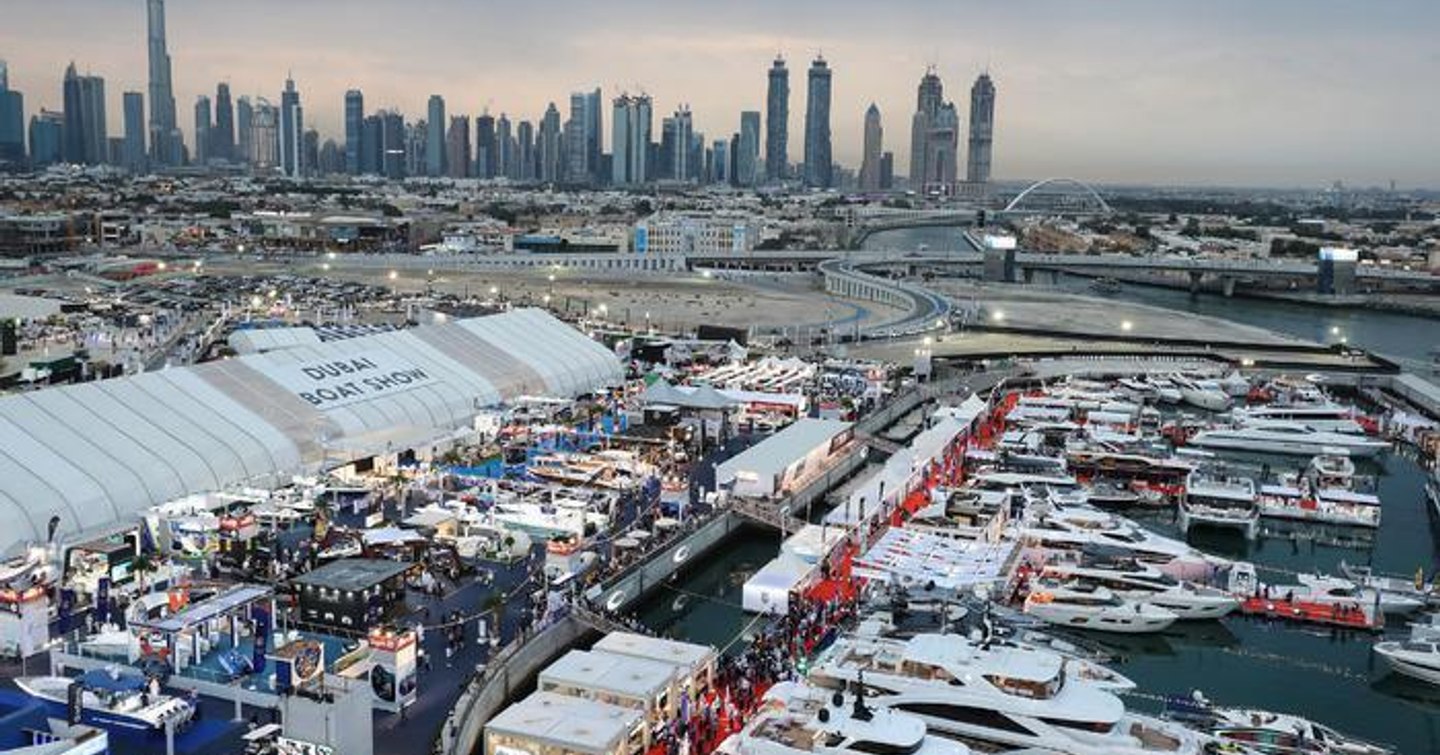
(1274, 92)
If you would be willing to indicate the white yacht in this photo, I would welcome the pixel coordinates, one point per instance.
(1326, 417)
(1418, 658)
(1219, 500)
(1131, 579)
(110, 700)
(1077, 604)
(1203, 393)
(1410, 589)
(1074, 529)
(1321, 588)
(1264, 731)
(999, 699)
(796, 719)
(1288, 438)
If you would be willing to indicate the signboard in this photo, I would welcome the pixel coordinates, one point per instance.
(362, 376)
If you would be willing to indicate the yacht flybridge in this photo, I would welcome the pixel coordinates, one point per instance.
(1079, 604)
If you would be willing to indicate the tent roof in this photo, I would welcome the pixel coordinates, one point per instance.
(99, 453)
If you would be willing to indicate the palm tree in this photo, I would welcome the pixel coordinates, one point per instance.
(142, 565)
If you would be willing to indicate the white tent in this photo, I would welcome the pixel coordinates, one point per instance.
(97, 454)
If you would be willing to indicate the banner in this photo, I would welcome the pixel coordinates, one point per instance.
(261, 617)
(67, 605)
(362, 376)
(102, 601)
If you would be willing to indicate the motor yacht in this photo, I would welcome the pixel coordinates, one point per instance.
(1133, 580)
(1327, 417)
(999, 698)
(110, 700)
(1288, 438)
(1203, 393)
(1077, 604)
(1073, 529)
(1219, 500)
(1263, 731)
(795, 719)
(1411, 589)
(1325, 589)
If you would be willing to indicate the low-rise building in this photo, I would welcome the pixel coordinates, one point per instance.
(696, 233)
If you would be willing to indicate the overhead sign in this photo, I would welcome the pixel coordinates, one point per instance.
(362, 376)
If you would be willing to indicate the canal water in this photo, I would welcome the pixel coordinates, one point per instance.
(1326, 675)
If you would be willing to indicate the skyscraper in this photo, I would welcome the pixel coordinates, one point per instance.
(310, 152)
(548, 145)
(372, 141)
(630, 140)
(393, 144)
(202, 131)
(486, 154)
(525, 154)
(818, 161)
(504, 148)
(133, 155)
(416, 135)
(594, 134)
(222, 136)
(682, 147)
(47, 138)
(777, 122)
(265, 136)
(435, 137)
(747, 155)
(982, 129)
(12, 122)
(457, 147)
(165, 142)
(870, 162)
(720, 162)
(85, 133)
(292, 131)
(244, 126)
(354, 126)
(578, 169)
(934, 139)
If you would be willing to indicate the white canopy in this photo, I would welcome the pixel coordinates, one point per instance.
(99, 453)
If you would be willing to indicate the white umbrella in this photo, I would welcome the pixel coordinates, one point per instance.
(639, 534)
(626, 542)
(665, 523)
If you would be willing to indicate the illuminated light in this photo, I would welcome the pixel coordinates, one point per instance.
(394, 274)
(1127, 326)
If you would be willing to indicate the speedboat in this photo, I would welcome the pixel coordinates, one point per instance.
(1001, 698)
(1131, 579)
(1219, 500)
(1410, 589)
(1328, 590)
(1266, 732)
(1080, 605)
(1415, 658)
(1288, 438)
(110, 700)
(795, 719)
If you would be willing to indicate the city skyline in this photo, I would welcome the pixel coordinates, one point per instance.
(1150, 101)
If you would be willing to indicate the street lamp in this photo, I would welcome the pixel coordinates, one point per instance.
(1127, 326)
(997, 316)
(394, 274)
